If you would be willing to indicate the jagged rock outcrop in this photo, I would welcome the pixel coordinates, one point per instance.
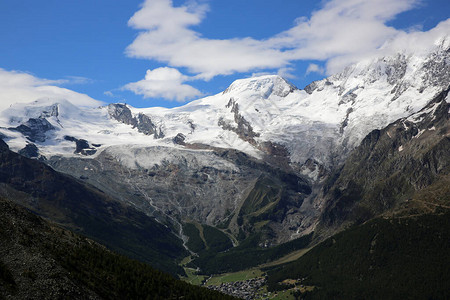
(34, 129)
(243, 128)
(142, 122)
(179, 139)
(122, 113)
(30, 151)
(82, 146)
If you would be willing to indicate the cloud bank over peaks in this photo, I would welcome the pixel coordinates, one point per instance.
(413, 42)
(167, 83)
(21, 87)
(341, 32)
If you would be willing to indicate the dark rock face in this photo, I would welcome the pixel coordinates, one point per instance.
(3, 146)
(52, 111)
(122, 113)
(313, 167)
(88, 152)
(274, 149)
(243, 129)
(345, 122)
(310, 88)
(275, 154)
(146, 126)
(391, 166)
(179, 139)
(82, 146)
(30, 151)
(35, 129)
(70, 138)
(141, 122)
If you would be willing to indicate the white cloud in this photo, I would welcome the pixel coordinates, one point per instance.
(340, 30)
(167, 38)
(77, 80)
(340, 33)
(314, 68)
(108, 93)
(348, 28)
(287, 72)
(164, 83)
(417, 42)
(17, 87)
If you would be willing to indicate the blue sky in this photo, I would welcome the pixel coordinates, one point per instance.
(166, 53)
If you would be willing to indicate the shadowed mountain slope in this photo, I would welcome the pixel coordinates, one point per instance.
(39, 260)
(87, 210)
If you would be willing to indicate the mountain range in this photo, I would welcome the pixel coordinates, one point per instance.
(261, 164)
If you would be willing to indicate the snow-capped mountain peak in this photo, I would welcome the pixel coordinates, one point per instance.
(263, 86)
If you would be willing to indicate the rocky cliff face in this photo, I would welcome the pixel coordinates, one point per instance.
(141, 122)
(374, 93)
(208, 186)
(34, 129)
(387, 173)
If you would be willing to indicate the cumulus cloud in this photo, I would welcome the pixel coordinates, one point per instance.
(340, 33)
(417, 42)
(167, 83)
(342, 27)
(347, 29)
(19, 87)
(167, 37)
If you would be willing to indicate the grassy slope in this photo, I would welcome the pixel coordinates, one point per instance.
(204, 238)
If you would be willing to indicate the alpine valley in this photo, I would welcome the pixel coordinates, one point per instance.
(349, 168)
